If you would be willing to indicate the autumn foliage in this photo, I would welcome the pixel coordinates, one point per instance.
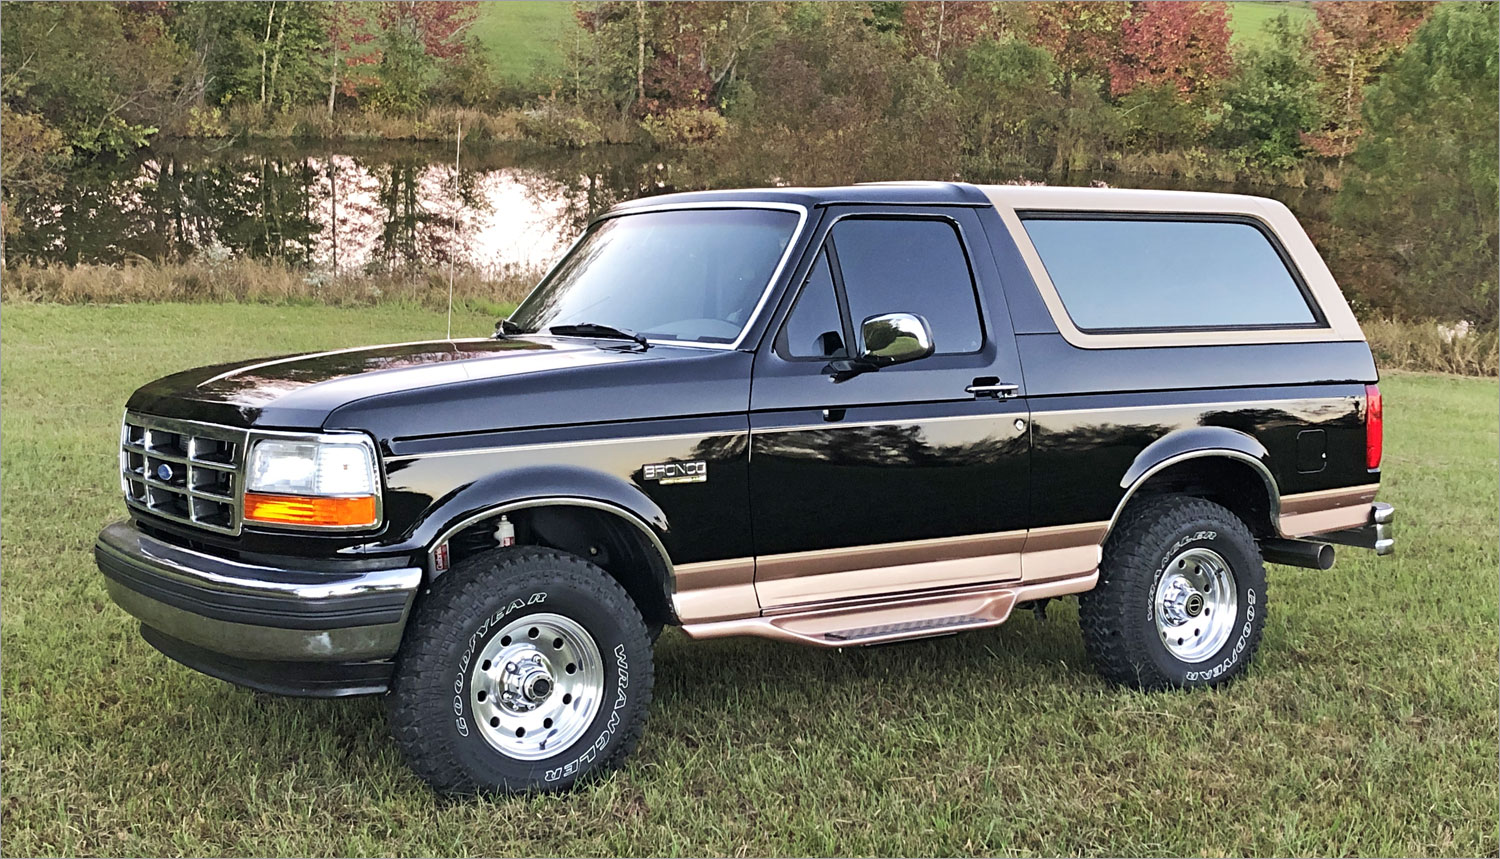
(1183, 44)
(435, 24)
(673, 56)
(1353, 41)
(1081, 35)
(1061, 84)
(934, 26)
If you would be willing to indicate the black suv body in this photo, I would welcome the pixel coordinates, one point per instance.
(834, 416)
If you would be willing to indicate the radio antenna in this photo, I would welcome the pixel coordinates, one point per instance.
(458, 143)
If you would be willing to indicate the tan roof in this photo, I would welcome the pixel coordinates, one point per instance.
(1341, 324)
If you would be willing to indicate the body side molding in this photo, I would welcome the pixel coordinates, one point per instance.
(754, 596)
(1307, 514)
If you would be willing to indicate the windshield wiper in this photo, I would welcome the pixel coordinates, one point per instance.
(506, 328)
(594, 329)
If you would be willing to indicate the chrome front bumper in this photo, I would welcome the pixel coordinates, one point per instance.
(1376, 534)
(268, 627)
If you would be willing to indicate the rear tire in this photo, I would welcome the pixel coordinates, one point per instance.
(523, 669)
(1171, 562)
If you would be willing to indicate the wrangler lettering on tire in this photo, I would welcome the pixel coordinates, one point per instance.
(1180, 599)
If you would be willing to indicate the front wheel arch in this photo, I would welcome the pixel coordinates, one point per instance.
(598, 531)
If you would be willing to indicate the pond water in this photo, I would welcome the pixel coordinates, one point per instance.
(388, 207)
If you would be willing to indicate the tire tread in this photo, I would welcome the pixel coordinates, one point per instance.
(1126, 580)
(441, 619)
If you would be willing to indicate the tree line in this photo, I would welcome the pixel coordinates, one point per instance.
(1394, 103)
(104, 78)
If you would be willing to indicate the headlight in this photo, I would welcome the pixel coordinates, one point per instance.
(321, 482)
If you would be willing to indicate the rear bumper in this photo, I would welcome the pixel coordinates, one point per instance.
(1375, 534)
(283, 630)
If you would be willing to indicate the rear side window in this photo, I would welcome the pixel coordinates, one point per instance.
(1139, 273)
(910, 266)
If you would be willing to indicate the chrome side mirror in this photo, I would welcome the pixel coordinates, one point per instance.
(895, 338)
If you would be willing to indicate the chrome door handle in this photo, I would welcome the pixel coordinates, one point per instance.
(998, 390)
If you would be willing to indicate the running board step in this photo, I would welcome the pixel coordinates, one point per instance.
(933, 626)
(902, 617)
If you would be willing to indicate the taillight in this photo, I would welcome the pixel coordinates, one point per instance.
(1374, 427)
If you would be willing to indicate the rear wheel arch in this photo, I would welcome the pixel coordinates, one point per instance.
(602, 533)
(1230, 477)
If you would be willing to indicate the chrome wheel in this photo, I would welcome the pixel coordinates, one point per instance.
(1195, 604)
(536, 686)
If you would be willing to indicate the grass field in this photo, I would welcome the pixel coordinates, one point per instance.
(1248, 18)
(1368, 725)
(525, 39)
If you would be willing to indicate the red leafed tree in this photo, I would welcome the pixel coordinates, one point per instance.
(1082, 36)
(415, 36)
(437, 24)
(1182, 44)
(1353, 41)
(933, 27)
(348, 31)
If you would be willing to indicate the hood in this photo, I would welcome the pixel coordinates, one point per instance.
(449, 386)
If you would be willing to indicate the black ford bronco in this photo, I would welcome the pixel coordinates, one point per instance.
(830, 416)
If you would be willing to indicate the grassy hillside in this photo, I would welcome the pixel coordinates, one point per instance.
(1366, 727)
(1248, 20)
(526, 39)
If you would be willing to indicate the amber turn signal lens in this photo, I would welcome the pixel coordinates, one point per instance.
(310, 510)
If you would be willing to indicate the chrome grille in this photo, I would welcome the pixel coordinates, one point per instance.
(185, 471)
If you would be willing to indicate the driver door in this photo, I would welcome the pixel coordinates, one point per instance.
(905, 478)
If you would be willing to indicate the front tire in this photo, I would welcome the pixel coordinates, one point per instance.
(523, 669)
(1181, 599)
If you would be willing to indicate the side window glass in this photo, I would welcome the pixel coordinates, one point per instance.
(1155, 273)
(813, 328)
(910, 266)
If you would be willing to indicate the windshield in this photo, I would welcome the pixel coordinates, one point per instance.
(694, 275)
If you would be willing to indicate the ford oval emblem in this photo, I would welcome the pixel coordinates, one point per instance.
(164, 473)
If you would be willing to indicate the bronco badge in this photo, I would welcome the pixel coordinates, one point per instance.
(667, 473)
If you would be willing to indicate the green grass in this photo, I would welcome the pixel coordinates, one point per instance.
(1367, 725)
(526, 39)
(1248, 19)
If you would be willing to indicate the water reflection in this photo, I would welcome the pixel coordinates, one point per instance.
(362, 210)
(394, 207)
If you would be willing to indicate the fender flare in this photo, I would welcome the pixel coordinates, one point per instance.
(547, 486)
(1196, 443)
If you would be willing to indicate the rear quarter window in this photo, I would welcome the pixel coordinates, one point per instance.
(1138, 273)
